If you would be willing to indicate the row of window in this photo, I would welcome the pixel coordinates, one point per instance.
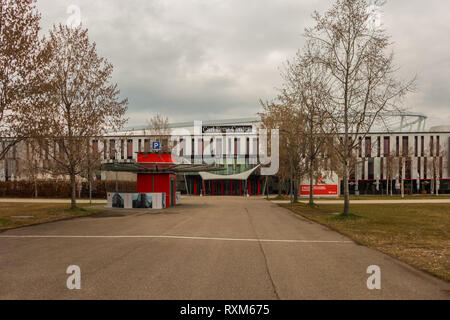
(116, 148)
(418, 148)
(426, 168)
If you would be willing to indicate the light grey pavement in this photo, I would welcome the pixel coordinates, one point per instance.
(207, 248)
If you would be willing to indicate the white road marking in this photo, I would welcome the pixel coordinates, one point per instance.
(165, 237)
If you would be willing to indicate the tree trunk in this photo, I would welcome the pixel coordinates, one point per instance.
(90, 190)
(35, 188)
(294, 191)
(346, 190)
(311, 186)
(73, 185)
(403, 179)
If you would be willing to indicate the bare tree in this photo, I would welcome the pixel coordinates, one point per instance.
(158, 129)
(20, 45)
(290, 121)
(362, 74)
(79, 101)
(392, 169)
(91, 165)
(306, 88)
(31, 164)
(434, 167)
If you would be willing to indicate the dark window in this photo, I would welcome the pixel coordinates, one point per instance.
(360, 147)
(105, 149)
(387, 146)
(139, 145)
(95, 147)
(368, 147)
(408, 169)
(130, 149)
(425, 168)
(419, 167)
(237, 146)
(371, 169)
(122, 149)
(431, 146)
(211, 146)
(247, 147)
(112, 149)
(422, 146)
(397, 146)
(379, 147)
(416, 146)
(438, 145)
(405, 146)
(182, 147)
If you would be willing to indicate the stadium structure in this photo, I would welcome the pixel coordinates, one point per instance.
(418, 157)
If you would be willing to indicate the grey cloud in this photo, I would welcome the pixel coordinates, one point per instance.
(206, 59)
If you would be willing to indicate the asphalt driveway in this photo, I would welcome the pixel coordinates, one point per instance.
(206, 248)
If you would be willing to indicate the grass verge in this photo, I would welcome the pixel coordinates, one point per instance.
(15, 215)
(384, 197)
(418, 234)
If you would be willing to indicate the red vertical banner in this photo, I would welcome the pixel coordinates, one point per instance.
(259, 187)
(195, 187)
(240, 188)
(203, 187)
(231, 187)
(249, 188)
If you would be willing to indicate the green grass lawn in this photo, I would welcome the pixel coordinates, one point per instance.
(418, 234)
(14, 215)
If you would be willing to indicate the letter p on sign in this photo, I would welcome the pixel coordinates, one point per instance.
(74, 280)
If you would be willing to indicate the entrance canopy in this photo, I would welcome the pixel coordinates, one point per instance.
(240, 176)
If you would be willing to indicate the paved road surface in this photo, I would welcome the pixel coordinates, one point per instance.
(207, 248)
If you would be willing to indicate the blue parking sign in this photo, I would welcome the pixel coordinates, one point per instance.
(156, 145)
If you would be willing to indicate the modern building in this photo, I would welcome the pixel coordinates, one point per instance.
(384, 157)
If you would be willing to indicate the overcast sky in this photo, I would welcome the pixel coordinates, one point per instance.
(214, 59)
